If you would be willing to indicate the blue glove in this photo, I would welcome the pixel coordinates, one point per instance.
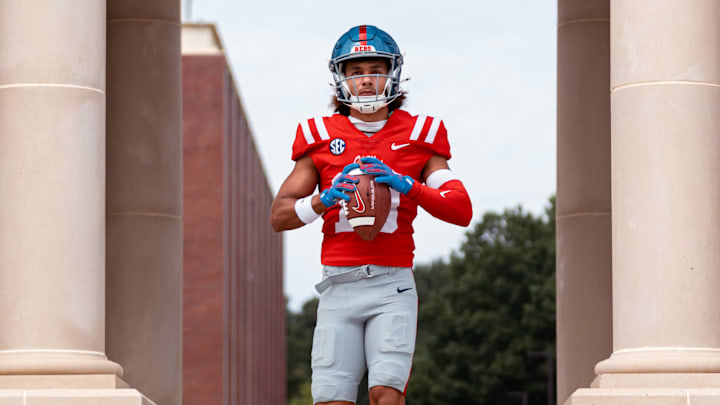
(384, 174)
(344, 183)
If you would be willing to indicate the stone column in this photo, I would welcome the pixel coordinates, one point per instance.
(52, 196)
(665, 79)
(584, 271)
(144, 195)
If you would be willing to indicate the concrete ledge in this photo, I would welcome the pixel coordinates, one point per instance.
(655, 396)
(74, 397)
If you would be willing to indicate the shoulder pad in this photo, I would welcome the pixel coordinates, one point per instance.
(430, 132)
(310, 133)
(314, 130)
(425, 129)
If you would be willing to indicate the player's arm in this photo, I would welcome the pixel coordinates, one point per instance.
(299, 184)
(443, 194)
(294, 204)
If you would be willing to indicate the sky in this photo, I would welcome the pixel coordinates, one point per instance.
(487, 68)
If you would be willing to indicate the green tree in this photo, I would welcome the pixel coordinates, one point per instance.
(303, 396)
(484, 310)
(300, 327)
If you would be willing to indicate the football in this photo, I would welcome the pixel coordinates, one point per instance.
(369, 205)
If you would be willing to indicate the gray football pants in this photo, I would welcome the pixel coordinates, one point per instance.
(368, 323)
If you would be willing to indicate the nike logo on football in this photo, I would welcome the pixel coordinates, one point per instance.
(360, 207)
(442, 193)
(402, 290)
(396, 147)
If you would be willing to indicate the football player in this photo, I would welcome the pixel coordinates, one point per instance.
(367, 315)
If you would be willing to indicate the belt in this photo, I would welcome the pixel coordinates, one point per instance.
(362, 272)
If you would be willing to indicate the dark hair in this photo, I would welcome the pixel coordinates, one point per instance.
(342, 109)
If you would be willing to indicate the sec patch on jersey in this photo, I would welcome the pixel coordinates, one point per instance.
(368, 207)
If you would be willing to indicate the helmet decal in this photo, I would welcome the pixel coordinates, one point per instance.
(363, 48)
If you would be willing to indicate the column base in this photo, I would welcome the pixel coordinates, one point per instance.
(654, 396)
(668, 360)
(75, 397)
(61, 381)
(44, 361)
(658, 380)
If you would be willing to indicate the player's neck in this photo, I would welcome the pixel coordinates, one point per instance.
(379, 115)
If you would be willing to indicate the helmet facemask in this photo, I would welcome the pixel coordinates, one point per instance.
(367, 104)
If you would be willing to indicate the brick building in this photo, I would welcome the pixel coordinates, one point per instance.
(233, 309)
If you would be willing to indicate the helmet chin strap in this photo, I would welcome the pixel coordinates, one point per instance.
(367, 104)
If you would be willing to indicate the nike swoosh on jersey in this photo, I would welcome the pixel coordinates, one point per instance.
(402, 290)
(396, 147)
(442, 193)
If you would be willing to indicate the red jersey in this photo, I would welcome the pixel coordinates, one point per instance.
(405, 143)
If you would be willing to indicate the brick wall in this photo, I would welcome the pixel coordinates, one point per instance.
(234, 308)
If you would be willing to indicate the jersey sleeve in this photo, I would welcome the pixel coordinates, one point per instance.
(430, 133)
(310, 134)
(440, 144)
(301, 144)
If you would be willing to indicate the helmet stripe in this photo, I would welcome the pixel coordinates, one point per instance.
(320, 124)
(433, 130)
(363, 35)
(306, 132)
(419, 123)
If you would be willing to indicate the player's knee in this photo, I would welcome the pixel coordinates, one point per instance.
(381, 395)
(390, 373)
(334, 392)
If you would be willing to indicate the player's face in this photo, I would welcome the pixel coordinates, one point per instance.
(368, 85)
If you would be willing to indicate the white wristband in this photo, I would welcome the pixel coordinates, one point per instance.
(305, 211)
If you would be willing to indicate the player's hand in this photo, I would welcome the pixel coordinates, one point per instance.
(342, 184)
(384, 174)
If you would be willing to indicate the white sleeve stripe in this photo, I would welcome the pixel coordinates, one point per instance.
(320, 125)
(439, 177)
(433, 130)
(306, 132)
(419, 123)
